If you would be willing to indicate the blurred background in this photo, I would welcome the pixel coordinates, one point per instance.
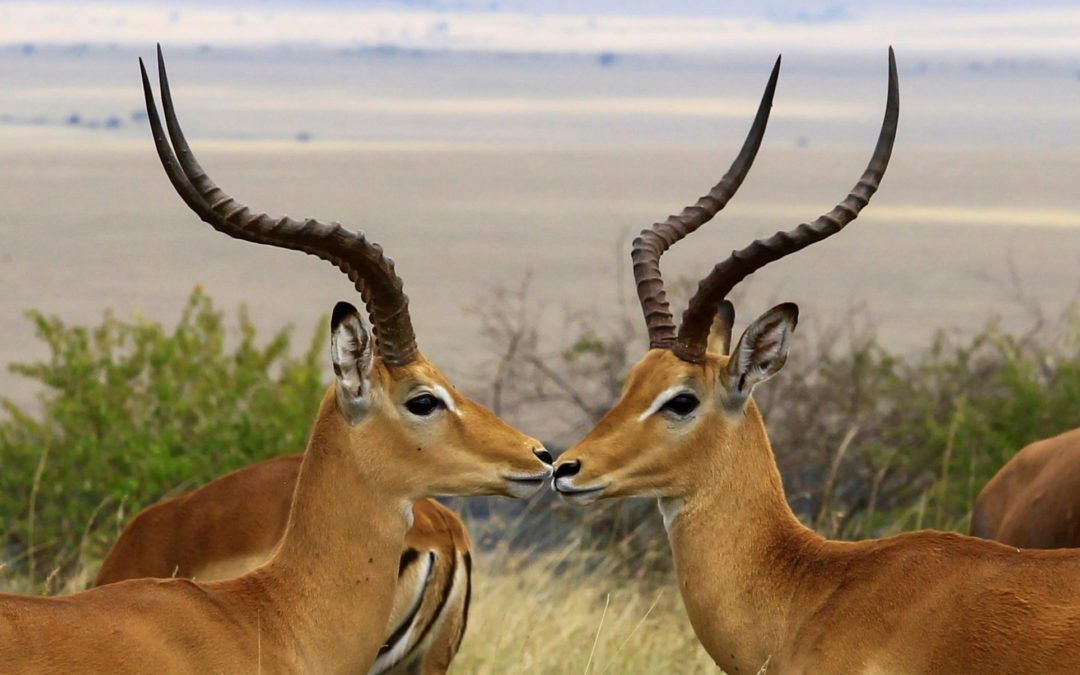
(481, 142)
(504, 152)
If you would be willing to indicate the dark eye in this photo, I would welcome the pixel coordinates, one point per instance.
(682, 405)
(423, 405)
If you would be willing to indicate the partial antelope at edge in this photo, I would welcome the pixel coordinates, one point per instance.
(1034, 500)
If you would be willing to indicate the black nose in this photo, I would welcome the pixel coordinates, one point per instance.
(567, 469)
(544, 456)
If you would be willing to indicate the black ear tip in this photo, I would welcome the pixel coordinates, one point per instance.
(790, 310)
(725, 313)
(793, 310)
(342, 311)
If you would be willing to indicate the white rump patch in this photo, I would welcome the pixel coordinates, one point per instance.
(405, 643)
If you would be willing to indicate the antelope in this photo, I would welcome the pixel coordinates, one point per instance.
(763, 591)
(231, 525)
(390, 429)
(1034, 500)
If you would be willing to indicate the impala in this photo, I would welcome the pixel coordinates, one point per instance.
(390, 430)
(764, 592)
(1034, 500)
(231, 526)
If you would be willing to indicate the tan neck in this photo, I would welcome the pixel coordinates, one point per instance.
(329, 588)
(737, 549)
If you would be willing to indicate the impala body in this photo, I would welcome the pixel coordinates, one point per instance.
(390, 430)
(232, 525)
(1034, 500)
(763, 592)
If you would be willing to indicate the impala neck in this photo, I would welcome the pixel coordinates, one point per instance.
(738, 548)
(333, 576)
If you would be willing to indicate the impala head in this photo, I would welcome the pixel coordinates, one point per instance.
(681, 398)
(435, 441)
(388, 405)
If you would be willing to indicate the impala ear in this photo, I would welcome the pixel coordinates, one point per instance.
(720, 334)
(351, 352)
(761, 352)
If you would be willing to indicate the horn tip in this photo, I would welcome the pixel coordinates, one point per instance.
(770, 88)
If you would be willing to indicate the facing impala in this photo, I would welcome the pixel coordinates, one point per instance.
(390, 430)
(763, 592)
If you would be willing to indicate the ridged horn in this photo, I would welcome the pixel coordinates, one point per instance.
(653, 242)
(694, 330)
(371, 272)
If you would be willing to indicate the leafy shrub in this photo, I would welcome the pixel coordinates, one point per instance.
(130, 412)
(872, 442)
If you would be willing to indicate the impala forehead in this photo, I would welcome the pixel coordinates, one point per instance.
(661, 372)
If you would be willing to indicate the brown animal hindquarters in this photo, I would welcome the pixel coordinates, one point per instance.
(230, 526)
(1034, 499)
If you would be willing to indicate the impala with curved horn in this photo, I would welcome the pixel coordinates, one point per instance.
(764, 592)
(390, 430)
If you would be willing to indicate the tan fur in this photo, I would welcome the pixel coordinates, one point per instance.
(762, 590)
(321, 604)
(231, 525)
(1034, 500)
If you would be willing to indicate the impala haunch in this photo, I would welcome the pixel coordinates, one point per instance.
(390, 430)
(1034, 500)
(764, 592)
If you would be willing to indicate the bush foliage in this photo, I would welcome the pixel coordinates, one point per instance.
(129, 412)
(869, 441)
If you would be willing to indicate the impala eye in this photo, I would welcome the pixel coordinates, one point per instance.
(423, 405)
(682, 405)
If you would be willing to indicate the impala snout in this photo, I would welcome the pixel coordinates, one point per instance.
(572, 486)
(521, 485)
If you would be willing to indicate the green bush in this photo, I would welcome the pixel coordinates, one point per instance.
(872, 442)
(130, 412)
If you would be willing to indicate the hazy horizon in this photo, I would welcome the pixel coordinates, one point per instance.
(1037, 29)
(515, 142)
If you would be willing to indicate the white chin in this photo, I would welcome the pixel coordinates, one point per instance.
(580, 498)
(522, 489)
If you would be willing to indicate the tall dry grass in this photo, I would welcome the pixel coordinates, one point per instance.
(568, 612)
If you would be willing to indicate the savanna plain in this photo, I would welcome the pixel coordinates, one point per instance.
(148, 354)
